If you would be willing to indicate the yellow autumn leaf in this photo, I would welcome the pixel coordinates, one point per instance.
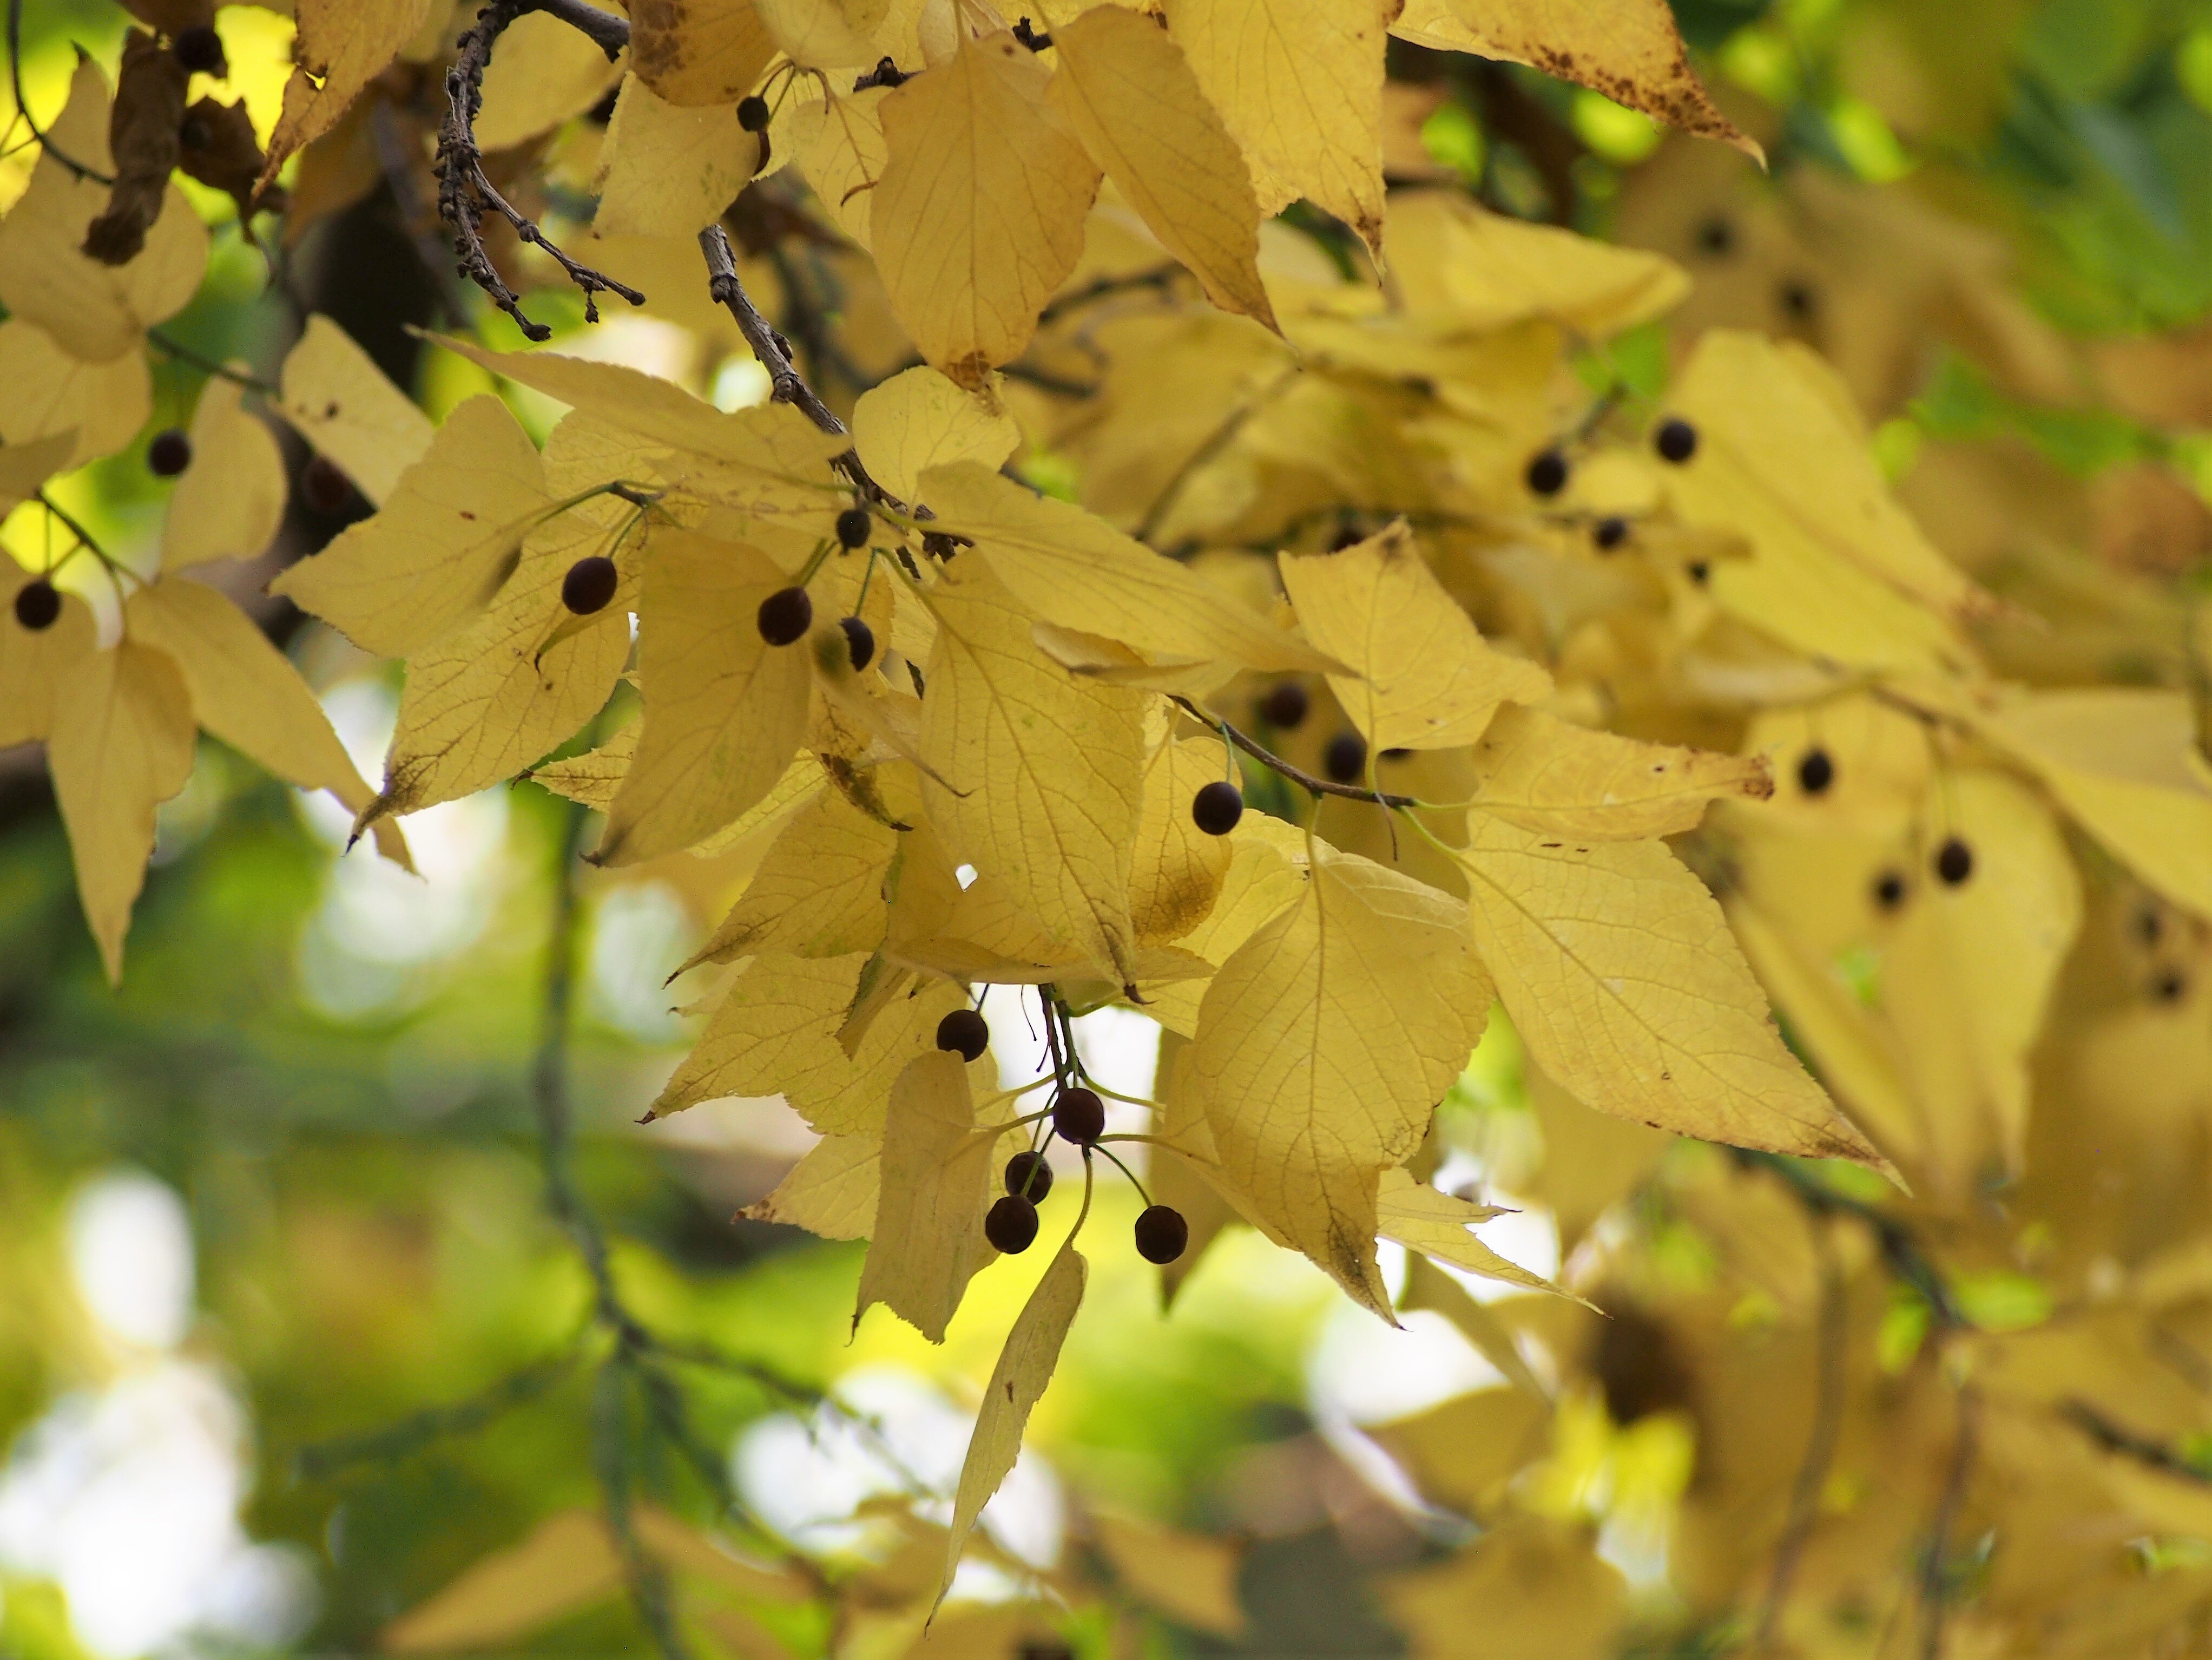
(2123, 762)
(445, 542)
(832, 1191)
(33, 662)
(666, 169)
(1541, 1589)
(1073, 570)
(1175, 869)
(1017, 1383)
(566, 1563)
(694, 52)
(24, 467)
(1435, 1224)
(490, 697)
(1622, 978)
(1125, 89)
(824, 34)
(1537, 771)
(1462, 266)
(229, 503)
(918, 420)
(544, 72)
(1629, 49)
(1428, 1286)
(342, 46)
(935, 1183)
(1189, 1576)
(1042, 775)
(338, 399)
(119, 745)
(978, 214)
(1262, 879)
(590, 779)
(95, 312)
(842, 150)
(1324, 1046)
(100, 407)
(723, 710)
(1299, 85)
(1422, 676)
(819, 893)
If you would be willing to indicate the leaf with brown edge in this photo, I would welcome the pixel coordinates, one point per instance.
(698, 52)
(342, 46)
(1543, 774)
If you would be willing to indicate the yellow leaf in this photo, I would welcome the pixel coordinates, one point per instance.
(1464, 267)
(230, 502)
(591, 778)
(1542, 774)
(343, 45)
(1535, 1589)
(444, 544)
(1462, 1453)
(699, 51)
(100, 407)
(121, 743)
(1071, 569)
(831, 1192)
(978, 218)
(33, 662)
(1421, 675)
(24, 467)
(1125, 88)
(2123, 762)
(1299, 84)
(1435, 1224)
(95, 312)
(566, 1563)
(489, 697)
(1175, 869)
(666, 170)
(818, 893)
(842, 150)
(1324, 1046)
(1189, 1576)
(780, 1030)
(1428, 1286)
(1592, 1160)
(723, 710)
(1629, 49)
(1261, 880)
(1879, 763)
(542, 72)
(928, 1238)
(1620, 974)
(1017, 1383)
(241, 687)
(825, 34)
(341, 403)
(1043, 773)
(918, 420)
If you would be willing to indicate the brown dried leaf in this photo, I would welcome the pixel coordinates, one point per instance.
(142, 128)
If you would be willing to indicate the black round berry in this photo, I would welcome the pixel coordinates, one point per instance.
(1012, 1225)
(590, 583)
(1954, 861)
(1717, 237)
(2149, 925)
(1815, 772)
(1547, 473)
(1700, 571)
(964, 1033)
(1609, 533)
(37, 604)
(1078, 1116)
(1797, 299)
(854, 526)
(1346, 758)
(324, 488)
(1217, 807)
(752, 113)
(169, 455)
(199, 48)
(1889, 890)
(785, 616)
(1284, 706)
(861, 639)
(1029, 1176)
(1676, 440)
(1162, 1234)
(2168, 986)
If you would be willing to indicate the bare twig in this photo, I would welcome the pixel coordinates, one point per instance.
(2117, 1438)
(410, 1434)
(172, 347)
(1298, 776)
(463, 190)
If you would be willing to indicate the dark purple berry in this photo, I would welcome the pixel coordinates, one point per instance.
(1889, 890)
(785, 616)
(1676, 440)
(964, 1033)
(1717, 238)
(1547, 473)
(1078, 1116)
(1029, 1176)
(1700, 571)
(1284, 706)
(752, 113)
(2168, 986)
(322, 488)
(1815, 772)
(1609, 533)
(861, 639)
(37, 604)
(169, 455)
(854, 526)
(590, 583)
(1217, 807)
(199, 48)
(1344, 758)
(1954, 861)
(1162, 1234)
(1010, 1226)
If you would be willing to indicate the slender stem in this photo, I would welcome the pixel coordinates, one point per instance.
(173, 347)
(1298, 776)
(313, 1463)
(1125, 1170)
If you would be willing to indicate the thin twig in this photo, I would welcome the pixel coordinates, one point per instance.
(23, 110)
(1296, 775)
(2117, 1438)
(1216, 442)
(1934, 1598)
(410, 1434)
(463, 190)
(170, 346)
(1828, 1426)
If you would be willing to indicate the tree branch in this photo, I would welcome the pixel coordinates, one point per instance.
(1298, 776)
(465, 193)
